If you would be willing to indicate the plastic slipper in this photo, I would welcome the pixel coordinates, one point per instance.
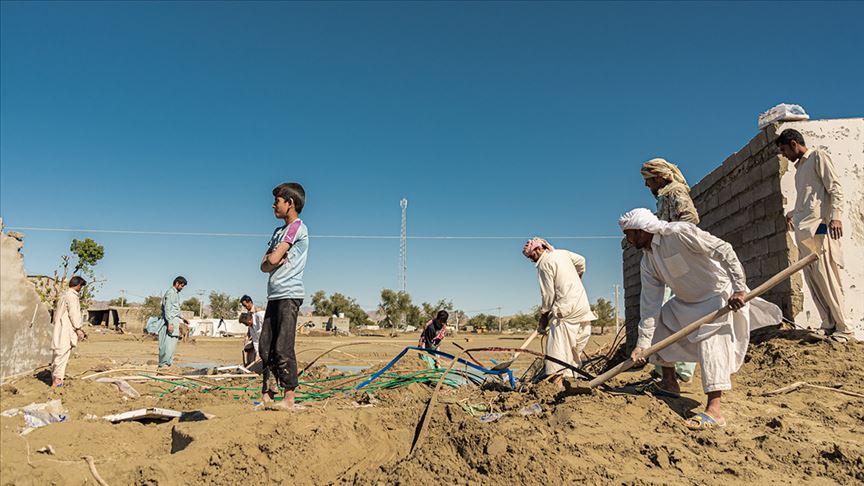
(703, 421)
(654, 389)
(839, 338)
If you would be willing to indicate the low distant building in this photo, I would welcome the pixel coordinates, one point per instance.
(340, 325)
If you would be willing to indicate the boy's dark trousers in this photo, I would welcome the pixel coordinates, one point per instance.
(276, 344)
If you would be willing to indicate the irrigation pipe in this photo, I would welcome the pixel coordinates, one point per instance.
(156, 372)
(420, 433)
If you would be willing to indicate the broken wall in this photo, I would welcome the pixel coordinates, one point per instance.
(25, 324)
(744, 201)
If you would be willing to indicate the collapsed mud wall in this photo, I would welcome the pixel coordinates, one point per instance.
(25, 328)
(744, 201)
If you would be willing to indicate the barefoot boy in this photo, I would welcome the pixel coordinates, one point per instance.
(285, 261)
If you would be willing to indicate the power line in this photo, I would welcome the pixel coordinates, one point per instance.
(343, 237)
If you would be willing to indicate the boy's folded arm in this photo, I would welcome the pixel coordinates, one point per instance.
(276, 257)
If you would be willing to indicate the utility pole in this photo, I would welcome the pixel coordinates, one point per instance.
(122, 298)
(500, 330)
(403, 247)
(617, 322)
(200, 293)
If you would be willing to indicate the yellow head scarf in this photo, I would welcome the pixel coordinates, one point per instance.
(664, 170)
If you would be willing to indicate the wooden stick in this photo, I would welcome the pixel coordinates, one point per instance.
(150, 372)
(506, 364)
(93, 471)
(687, 330)
(803, 384)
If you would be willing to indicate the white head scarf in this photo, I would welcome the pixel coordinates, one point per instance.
(642, 219)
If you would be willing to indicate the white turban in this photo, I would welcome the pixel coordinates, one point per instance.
(642, 219)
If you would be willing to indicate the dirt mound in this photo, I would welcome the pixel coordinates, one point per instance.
(540, 437)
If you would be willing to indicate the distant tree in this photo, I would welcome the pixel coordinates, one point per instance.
(84, 256)
(484, 321)
(191, 304)
(431, 310)
(395, 306)
(118, 302)
(415, 317)
(339, 304)
(152, 307)
(605, 312)
(521, 321)
(222, 306)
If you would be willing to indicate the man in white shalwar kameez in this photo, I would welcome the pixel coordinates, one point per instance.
(67, 329)
(817, 218)
(705, 275)
(564, 308)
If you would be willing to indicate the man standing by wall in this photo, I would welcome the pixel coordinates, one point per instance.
(817, 216)
(169, 328)
(67, 329)
(669, 187)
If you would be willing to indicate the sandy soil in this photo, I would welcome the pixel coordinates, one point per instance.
(807, 436)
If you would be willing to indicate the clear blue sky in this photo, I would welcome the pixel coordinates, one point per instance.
(509, 119)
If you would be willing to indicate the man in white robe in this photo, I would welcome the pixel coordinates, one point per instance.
(817, 217)
(705, 275)
(564, 308)
(254, 321)
(67, 329)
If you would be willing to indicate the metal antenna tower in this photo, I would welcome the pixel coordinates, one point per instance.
(403, 247)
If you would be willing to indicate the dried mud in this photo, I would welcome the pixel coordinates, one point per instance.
(806, 436)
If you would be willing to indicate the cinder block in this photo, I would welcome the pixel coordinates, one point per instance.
(749, 234)
(759, 247)
(765, 227)
(770, 168)
(734, 238)
(765, 189)
(778, 242)
(774, 204)
(756, 211)
(757, 143)
(746, 199)
(725, 194)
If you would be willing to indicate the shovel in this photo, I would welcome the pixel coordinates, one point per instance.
(690, 328)
(506, 364)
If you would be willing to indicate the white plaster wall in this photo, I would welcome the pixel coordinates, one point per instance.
(843, 140)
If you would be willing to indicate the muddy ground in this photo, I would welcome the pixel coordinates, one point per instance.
(807, 436)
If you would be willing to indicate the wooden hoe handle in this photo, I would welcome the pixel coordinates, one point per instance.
(687, 330)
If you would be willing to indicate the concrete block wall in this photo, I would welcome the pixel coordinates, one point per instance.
(744, 201)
